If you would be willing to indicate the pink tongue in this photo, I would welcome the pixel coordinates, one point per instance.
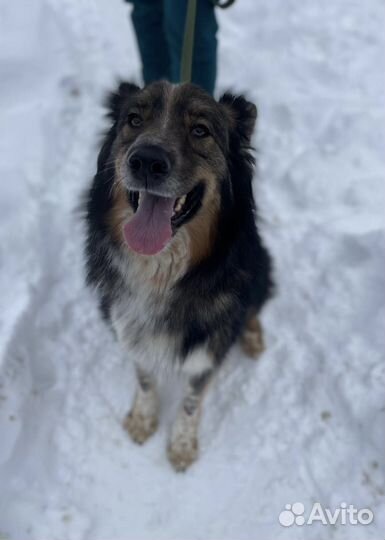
(150, 228)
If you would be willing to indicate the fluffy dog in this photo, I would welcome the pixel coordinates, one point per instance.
(172, 243)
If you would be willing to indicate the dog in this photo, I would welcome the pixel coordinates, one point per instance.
(172, 244)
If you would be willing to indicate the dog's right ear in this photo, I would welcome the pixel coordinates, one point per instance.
(115, 99)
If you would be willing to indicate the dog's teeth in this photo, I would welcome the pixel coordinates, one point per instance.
(179, 204)
(178, 207)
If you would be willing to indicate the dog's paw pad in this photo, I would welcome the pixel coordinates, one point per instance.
(182, 453)
(140, 427)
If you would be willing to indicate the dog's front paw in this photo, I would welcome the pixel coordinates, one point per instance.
(182, 452)
(140, 427)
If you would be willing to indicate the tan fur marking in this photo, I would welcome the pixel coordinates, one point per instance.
(121, 210)
(252, 341)
(202, 228)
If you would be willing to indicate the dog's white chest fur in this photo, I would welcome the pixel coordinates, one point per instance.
(139, 311)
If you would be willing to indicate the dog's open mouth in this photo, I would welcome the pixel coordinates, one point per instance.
(156, 218)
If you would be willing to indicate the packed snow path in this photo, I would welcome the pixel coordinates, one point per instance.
(303, 424)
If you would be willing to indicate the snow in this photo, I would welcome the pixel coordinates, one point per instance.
(305, 423)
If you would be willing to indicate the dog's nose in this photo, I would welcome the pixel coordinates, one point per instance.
(149, 162)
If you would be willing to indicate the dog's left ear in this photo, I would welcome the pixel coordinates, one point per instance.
(116, 99)
(242, 115)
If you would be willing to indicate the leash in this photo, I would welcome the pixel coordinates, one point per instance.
(188, 40)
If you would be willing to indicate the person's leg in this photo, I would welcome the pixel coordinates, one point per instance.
(147, 18)
(204, 68)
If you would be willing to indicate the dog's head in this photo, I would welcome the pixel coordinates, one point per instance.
(171, 156)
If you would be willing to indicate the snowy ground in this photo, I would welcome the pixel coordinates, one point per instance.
(306, 423)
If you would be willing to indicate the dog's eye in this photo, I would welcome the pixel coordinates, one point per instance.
(135, 120)
(200, 131)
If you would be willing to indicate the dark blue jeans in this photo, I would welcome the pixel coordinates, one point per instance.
(159, 27)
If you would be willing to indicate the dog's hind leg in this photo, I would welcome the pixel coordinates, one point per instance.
(183, 448)
(142, 421)
(252, 341)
